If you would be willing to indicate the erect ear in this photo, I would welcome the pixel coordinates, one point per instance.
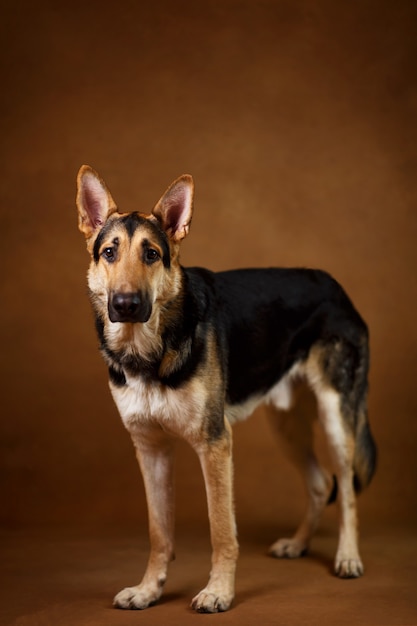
(174, 210)
(94, 201)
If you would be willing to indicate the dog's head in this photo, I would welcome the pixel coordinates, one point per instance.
(134, 257)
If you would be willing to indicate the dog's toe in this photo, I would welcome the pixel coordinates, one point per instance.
(346, 567)
(208, 602)
(288, 549)
(135, 598)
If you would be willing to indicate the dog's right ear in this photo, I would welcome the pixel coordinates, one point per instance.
(94, 201)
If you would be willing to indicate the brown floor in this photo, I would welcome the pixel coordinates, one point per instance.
(297, 120)
(68, 577)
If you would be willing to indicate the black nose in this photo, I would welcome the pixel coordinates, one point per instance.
(129, 307)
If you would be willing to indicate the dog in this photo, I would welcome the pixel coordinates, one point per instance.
(190, 351)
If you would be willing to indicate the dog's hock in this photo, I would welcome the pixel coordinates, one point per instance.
(174, 210)
(94, 201)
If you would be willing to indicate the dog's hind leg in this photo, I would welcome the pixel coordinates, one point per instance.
(296, 436)
(155, 456)
(341, 440)
(337, 374)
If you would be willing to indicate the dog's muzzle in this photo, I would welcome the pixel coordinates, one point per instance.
(131, 307)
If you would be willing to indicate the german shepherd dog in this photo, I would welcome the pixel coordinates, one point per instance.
(190, 351)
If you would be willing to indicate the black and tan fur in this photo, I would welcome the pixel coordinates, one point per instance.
(190, 351)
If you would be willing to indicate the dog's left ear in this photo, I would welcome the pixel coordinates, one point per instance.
(174, 210)
(94, 201)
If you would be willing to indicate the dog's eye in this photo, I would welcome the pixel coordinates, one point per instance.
(108, 254)
(151, 255)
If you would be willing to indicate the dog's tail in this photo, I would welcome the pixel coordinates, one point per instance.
(365, 459)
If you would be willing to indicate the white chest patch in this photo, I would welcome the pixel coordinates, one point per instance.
(177, 410)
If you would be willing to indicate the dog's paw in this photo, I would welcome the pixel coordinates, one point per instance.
(347, 567)
(215, 601)
(288, 549)
(135, 598)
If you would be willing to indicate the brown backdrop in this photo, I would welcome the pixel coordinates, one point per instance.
(297, 120)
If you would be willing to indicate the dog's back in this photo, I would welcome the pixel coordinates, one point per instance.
(271, 324)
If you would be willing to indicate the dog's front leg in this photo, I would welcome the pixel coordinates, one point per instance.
(154, 452)
(216, 463)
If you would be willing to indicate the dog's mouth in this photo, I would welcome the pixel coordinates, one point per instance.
(129, 307)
